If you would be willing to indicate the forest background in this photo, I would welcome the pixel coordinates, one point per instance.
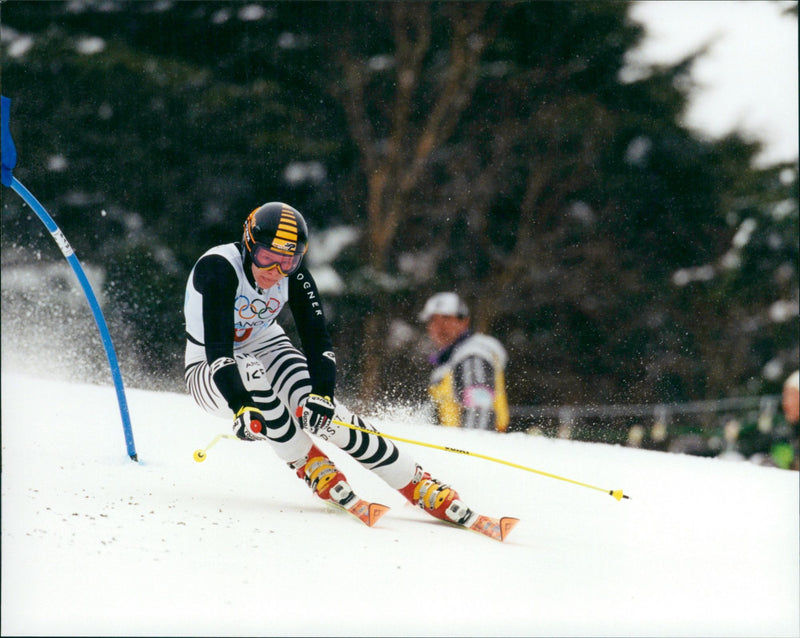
(500, 149)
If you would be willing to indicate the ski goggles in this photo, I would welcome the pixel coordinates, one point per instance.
(266, 259)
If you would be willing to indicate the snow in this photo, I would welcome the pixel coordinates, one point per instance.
(95, 544)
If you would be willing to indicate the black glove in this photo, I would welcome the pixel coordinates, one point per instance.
(249, 424)
(317, 413)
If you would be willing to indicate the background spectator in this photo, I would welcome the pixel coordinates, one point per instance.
(791, 398)
(467, 384)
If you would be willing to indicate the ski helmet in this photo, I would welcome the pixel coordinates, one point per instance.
(275, 235)
(444, 303)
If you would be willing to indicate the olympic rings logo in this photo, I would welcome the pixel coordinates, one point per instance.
(255, 311)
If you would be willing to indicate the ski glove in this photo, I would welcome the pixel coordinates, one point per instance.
(249, 424)
(317, 413)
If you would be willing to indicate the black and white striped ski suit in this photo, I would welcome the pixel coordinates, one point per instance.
(237, 355)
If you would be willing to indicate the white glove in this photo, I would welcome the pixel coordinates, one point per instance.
(317, 413)
(250, 425)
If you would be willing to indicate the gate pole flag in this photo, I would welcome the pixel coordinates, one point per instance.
(9, 161)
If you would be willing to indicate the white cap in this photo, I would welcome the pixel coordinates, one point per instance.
(444, 303)
(793, 381)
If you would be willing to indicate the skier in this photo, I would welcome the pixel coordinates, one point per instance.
(241, 365)
(467, 383)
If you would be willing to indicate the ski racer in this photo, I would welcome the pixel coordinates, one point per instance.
(241, 365)
(467, 384)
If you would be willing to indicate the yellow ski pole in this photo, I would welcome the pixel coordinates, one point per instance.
(617, 494)
(200, 455)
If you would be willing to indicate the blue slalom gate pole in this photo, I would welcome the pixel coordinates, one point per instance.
(8, 163)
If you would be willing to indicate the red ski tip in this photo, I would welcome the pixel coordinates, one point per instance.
(507, 523)
(376, 511)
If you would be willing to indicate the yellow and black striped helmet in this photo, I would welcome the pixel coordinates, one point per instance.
(277, 227)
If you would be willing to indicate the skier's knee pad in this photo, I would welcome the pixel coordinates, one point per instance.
(253, 373)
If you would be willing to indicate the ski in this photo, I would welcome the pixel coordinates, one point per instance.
(368, 513)
(495, 528)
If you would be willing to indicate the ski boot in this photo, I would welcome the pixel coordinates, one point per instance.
(324, 479)
(329, 484)
(439, 500)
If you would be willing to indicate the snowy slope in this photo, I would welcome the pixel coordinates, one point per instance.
(94, 544)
